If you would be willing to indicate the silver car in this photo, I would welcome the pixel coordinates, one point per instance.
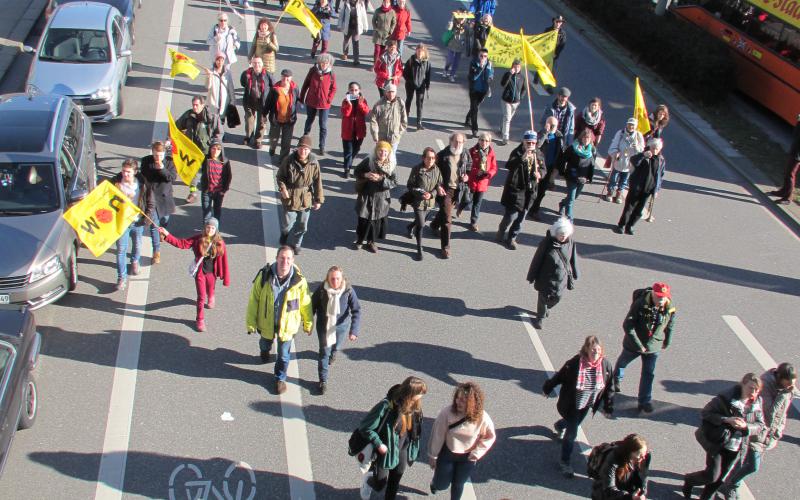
(47, 162)
(84, 53)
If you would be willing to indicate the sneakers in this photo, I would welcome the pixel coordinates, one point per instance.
(122, 284)
(156, 258)
(134, 268)
(280, 386)
(357, 245)
(629, 230)
(566, 470)
(201, 325)
(607, 197)
(452, 79)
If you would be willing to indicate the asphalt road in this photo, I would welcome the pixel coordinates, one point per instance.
(203, 404)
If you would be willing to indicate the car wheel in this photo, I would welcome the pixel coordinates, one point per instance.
(120, 104)
(72, 264)
(30, 404)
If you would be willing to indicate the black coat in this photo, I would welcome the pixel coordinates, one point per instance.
(202, 128)
(249, 80)
(519, 190)
(608, 487)
(272, 102)
(713, 433)
(573, 167)
(647, 174)
(548, 271)
(513, 86)
(544, 147)
(160, 182)
(567, 378)
(417, 74)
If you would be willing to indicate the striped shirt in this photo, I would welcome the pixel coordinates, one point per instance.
(587, 396)
(214, 175)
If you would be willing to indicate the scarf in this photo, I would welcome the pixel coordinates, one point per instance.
(586, 365)
(583, 151)
(592, 119)
(333, 311)
(484, 159)
(389, 60)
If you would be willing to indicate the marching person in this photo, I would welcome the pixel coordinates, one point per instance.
(462, 434)
(457, 27)
(455, 163)
(480, 32)
(211, 263)
(338, 314)
(265, 45)
(648, 331)
(375, 178)
(403, 26)
(354, 124)
(424, 184)
(481, 74)
(256, 84)
(159, 173)
(219, 87)
(627, 143)
(484, 168)
(388, 67)
(215, 181)
(223, 38)
(786, 192)
(279, 305)
(513, 83)
(388, 120)
(525, 167)
(300, 187)
(200, 124)
(481, 7)
(317, 93)
(577, 167)
(281, 106)
(417, 74)
(353, 23)
(394, 427)
(134, 186)
(384, 22)
(624, 471)
(551, 144)
(561, 38)
(659, 119)
(585, 381)
(323, 11)
(648, 173)
(592, 118)
(729, 420)
(564, 112)
(554, 268)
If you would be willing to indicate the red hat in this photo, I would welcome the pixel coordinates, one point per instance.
(662, 290)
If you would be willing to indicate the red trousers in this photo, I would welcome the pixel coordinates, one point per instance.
(204, 282)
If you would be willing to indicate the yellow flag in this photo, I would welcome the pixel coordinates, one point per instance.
(504, 47)
(640, 110)
(545, 45)
(102, 217)
(298, 9)
(534, 59)
(183, 64)
(186, 156)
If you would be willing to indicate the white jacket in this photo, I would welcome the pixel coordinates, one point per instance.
(361, 13)
(623, 147)
(228, 43)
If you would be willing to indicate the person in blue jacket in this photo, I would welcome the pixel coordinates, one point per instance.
(481, 7)
(481, 74)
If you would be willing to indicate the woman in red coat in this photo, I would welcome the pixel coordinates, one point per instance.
(403, 27)
(484, 167)
(388, 67)
(210, 263)
(354, 125)
(317, 94)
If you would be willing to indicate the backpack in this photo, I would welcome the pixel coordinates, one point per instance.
(639, 292)
(597, 457)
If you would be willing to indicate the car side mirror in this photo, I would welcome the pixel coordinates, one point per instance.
(78, 194)
(27, 49)
(125, 53)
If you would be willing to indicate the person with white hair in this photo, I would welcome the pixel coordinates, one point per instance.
(645, 181)
(554, 268)
(223, 38)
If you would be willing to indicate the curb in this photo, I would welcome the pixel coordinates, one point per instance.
(680, 108)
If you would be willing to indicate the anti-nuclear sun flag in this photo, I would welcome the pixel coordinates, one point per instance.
(539, 50)
(298, 9)
(186, 156)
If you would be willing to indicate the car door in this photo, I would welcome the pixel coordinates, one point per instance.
(122, 44)
(75, 143)
(9, 399)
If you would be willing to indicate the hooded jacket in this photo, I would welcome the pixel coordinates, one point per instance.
(551, 273)
(647, 326)
(295, 311)
(319, 88)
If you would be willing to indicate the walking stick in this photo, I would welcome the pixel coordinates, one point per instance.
(527, 82)
(650, 207)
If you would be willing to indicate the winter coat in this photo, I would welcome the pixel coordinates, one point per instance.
(567, 378)
(220, 90)
(519, 190)
(713, 435)
(383, 24)
(480, 33)
(452, 180)
(388, 435)
(228, 44)
(388, 120)
(160, 182)
(403, 27)
(382, 69)
(626, 146)
(417, 73)
(775, 404)
(550, 272)
(196, 244)
(249, 80)
(565, 116)
(573, 167)
(374, 198)
(303, 182)
(513, 87)
(265, 49)
(323, 15)
(480, 78)
(647, 326)
(318, 89)
(361, 18)
(295, 311)
(145, 200)
(422, 181)
(349, 308)
(354, 119)
(545, 145)
(647, 175)
(608, 486)
(200, 128)
(458, 41)
(271, 104)
(597, 129)
(225, 179)
(479, 180)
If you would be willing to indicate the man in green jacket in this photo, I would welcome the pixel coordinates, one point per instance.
(300, 188)
(279, 304)
(648, 330)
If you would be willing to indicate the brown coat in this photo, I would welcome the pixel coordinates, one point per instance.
(303, 183)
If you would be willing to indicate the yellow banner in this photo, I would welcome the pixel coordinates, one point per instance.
(298, 9)
(182, 64)
(640, 110)
(463, 14)
(102, 217)
(504, 47)
(786, 10)
(186, 156)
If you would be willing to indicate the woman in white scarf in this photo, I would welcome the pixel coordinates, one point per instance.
(338, 315)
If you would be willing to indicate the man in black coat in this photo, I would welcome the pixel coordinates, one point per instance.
(159, 173)
(554, 268)
(256, 84)
(454, 162)
(644, 181)
(525, 166)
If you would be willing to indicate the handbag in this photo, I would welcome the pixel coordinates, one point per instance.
(360, 447)
(232, 116)
(194, 266)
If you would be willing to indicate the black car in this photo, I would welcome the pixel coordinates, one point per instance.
(19, 354)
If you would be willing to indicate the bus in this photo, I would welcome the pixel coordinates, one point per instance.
(764, 38)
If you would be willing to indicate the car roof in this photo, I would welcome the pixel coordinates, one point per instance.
(82, 15)
(13, 324)
(124, 6)
(26, 121)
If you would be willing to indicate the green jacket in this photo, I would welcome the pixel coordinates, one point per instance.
(296, 308)
(647, 326)
(388, 435)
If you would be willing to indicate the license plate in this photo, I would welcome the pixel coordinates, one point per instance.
(4, 298)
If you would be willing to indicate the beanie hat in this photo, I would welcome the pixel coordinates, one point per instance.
(564, 91)
(211, 221)
(304, 141)
(529, 135)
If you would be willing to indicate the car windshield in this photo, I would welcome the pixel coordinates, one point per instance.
(72, 45)
(27, 189)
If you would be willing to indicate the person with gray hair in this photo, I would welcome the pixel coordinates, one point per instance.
(454, 162)
(645, 181)
(317, 93)
(554, 268)
(483, 169)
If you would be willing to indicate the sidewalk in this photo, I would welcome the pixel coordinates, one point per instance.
(679, 108)
(19, 17)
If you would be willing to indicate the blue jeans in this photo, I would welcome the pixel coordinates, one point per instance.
(571, 424)
(474, 204)
(400, 45)
(751, 464)
(325, 352)
(284, 354)
(294, 225)
(135, 233)
(517, 216)
(350, 150)
(159, 222)
(648, 371)
(451, 65)
(618, 180)
(211, 204)
(573, 191)
(452, 468)
(311, 114)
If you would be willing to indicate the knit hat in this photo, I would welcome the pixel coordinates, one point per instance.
(215, 142)
(384, 145)
(286, 72)
(564, 91)
(662, 290)
(211, 221)
(304, 142)
(390, 87)
(529, 135)
(218, 55)
(632, 121)
(562, 227)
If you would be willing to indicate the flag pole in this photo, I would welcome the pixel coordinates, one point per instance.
(527, 82)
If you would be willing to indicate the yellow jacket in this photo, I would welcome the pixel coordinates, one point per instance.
(296, 307)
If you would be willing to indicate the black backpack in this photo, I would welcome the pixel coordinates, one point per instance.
(639, 292)
(597, 457)
(358, 442)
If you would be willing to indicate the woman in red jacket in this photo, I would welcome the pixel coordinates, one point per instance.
(403, 27)
(210, 263)
(354, 125)
(388, 67)
(317, 93)
(484, 167)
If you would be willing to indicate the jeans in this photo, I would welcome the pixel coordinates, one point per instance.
(419, 93)
(282, 132)
(400, 45)
(443, 222)
(618, 180)
(574, 190)
(294, 225)
(350, 150)
(134, 232)
(717, 468)
(325, 352)
(632, 212)
(323, 123)
(475, 206)
(452, 469)
(254, 123)
(204, 283)
(160, 221)
(751, 464)
(509, 109)
(571, 424)
(211, 204)
(284, 354)
(354, 39)
(451, 65)
(648, 371)
(517, 216)
(475, 100)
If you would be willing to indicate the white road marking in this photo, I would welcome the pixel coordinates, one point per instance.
(440, 143)
(111, 474)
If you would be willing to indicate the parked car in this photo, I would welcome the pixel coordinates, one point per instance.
(84, 53)
(47, 162)
(125, 7)
(19, 356)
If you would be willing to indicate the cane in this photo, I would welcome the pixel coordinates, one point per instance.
(650, 207)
